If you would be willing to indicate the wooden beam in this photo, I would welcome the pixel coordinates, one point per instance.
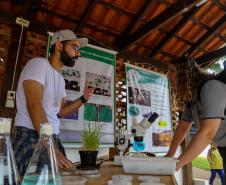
(173, 32)
(211, 56)
(85, 15)
(166, 16)
(136, 19)
(165, 53)
(209, 33)
(223, 38)
(187, 169)
(94, 27)
(129, 55)
(42, 27)
(56, 14)
(26, 12)
(121, 11)
(202, 25)
(220, 5)
(183, 39)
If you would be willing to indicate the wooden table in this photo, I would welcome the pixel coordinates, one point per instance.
(108, 169)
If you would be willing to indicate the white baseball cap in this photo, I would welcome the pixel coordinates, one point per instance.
(63, 35)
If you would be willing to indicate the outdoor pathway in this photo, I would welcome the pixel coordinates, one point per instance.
(203, 174)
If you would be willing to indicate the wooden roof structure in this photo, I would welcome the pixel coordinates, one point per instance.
(149, 31)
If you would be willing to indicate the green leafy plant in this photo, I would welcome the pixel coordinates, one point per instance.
(91, 137)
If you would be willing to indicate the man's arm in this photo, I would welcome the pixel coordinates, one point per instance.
(208, 129)
(179, 135)
(33, 93)
(66, 109)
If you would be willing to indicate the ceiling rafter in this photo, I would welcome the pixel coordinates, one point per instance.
(166, 53)
(26, 12)
(96, 28)
(220, 5)
(211, 56)
(173, 32)
(221, 37)
(183, 39)
(85, 15)
(167, 15)
(164, 2)
(121, 11)
(201, 24)
(136, 19)
(129, 55)
(209, 33)
(56, 14)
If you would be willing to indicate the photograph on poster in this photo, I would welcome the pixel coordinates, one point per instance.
(139, 96)
(101, 83)
(97, 113)
(161, 138)
(72, 79)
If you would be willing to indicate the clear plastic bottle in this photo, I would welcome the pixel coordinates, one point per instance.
(8, 170)
(43, 169)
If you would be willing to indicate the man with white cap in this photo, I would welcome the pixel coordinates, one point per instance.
(41, 98)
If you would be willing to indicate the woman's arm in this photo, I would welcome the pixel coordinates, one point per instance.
(208, 129)
(179, 135)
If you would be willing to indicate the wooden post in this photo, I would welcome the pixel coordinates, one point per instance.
(187, 170)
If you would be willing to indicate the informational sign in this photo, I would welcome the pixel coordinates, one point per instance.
(148, 92)
(96, 69)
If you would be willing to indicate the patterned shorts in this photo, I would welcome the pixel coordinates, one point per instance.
(24, 141)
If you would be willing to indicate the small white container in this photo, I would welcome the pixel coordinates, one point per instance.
(148, 165)
(119, 182)
(122, 177)
(148, 178)
(151, 183)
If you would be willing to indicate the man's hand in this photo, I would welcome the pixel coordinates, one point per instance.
(169, 155)
(63, 162)
(88, 92)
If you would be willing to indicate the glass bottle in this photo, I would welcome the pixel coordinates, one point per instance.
(8, 170)
(43, 169)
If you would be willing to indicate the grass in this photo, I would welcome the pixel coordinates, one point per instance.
(201, 163)
(91, 137)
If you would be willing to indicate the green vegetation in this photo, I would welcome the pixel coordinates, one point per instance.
(91, 137)
(201, 162)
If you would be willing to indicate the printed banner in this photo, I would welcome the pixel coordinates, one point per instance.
(148, 92)
(96, 68)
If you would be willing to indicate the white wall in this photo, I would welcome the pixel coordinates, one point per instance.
(73, 155)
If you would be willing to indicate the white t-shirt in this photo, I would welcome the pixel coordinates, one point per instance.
(40, 70)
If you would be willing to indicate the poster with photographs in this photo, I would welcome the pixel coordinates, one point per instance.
(96, 69)
(148, 93)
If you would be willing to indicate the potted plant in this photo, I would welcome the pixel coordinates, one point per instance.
(90, 138)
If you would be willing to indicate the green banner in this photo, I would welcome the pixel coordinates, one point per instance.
(98, 55)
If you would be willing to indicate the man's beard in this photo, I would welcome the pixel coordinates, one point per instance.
(66, 59)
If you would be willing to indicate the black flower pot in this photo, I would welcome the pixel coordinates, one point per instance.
(88, 158)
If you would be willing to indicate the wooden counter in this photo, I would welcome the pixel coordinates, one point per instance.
(108, 169)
